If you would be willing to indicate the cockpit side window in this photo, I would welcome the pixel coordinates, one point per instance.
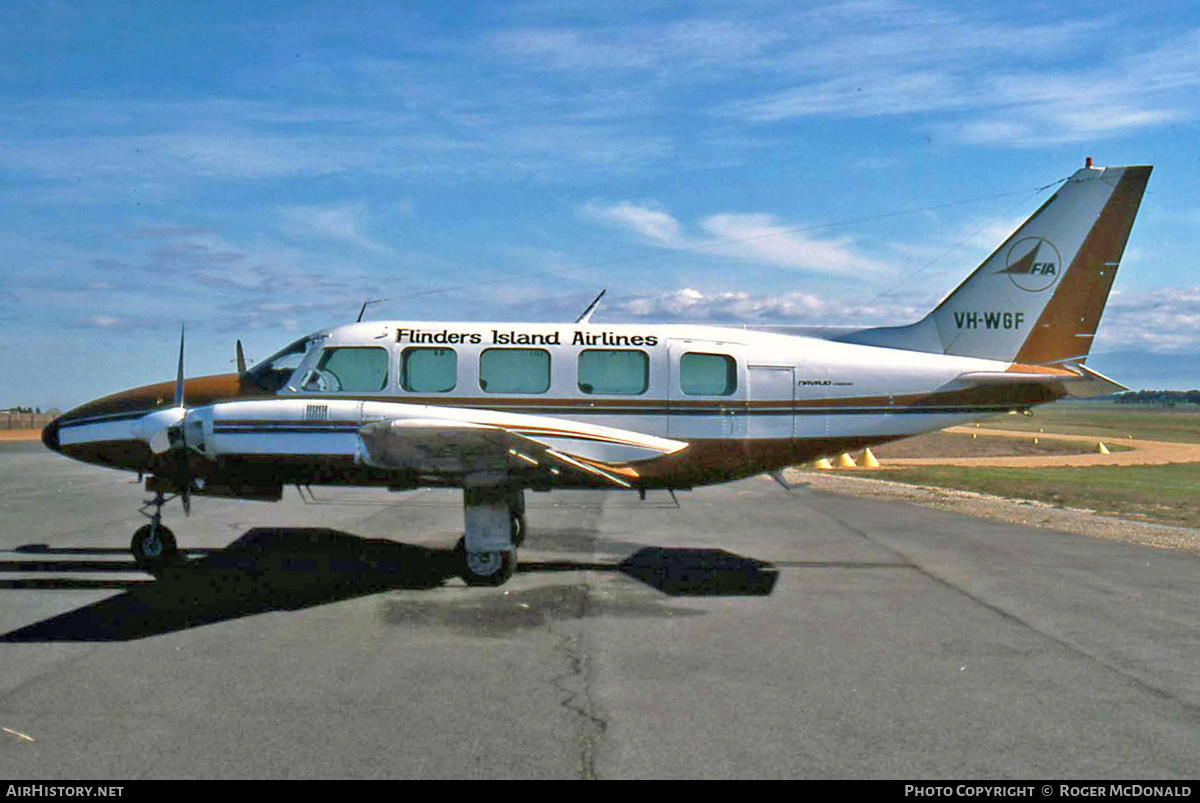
(273, 373)
(353, 369)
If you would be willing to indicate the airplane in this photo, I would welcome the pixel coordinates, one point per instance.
(499, 409)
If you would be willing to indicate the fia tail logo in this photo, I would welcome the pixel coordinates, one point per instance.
(1033, 264)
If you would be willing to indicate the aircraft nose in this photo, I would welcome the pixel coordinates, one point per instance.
(50, 435)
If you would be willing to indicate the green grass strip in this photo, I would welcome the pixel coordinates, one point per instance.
(1168, 494)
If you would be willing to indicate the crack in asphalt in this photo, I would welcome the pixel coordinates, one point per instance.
(575, 685)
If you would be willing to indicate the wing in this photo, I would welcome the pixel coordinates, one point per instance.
(543, 450)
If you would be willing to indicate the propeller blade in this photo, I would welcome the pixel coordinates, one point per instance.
(182, 457)
(179, 375)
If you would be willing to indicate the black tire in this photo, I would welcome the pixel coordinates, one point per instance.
(518, 529)
(150, 553)
(486, 568)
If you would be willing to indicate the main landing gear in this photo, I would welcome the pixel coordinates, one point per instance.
(485, 568)
(153, 545)
(494, 514)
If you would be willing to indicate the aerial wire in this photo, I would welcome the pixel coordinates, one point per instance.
(664, 252)
(914, 274)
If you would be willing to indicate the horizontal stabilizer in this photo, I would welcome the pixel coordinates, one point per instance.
(1078, 381)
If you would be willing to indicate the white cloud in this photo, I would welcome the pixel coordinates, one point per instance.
(689, 304)
(764, 239)
(567, 49)
(757, 238)
(647, 222)
(984, 82)
(685, 44)
(343, 223)
(1165, 320)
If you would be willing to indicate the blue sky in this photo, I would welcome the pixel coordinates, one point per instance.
(258, 170)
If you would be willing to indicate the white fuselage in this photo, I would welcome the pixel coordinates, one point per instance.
(740, 400)
(784, 386)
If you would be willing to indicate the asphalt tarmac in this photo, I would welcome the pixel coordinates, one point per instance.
(752, 632)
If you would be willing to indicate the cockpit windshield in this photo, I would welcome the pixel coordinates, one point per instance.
(273, 373)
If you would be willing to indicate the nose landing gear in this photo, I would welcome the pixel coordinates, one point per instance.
(153, 545)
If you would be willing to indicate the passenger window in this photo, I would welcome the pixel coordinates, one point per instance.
(514, 370)
(610, 371)
(707, 374)
(349, 369)
(428, 370)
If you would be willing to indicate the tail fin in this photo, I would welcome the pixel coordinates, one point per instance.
(1038, 298)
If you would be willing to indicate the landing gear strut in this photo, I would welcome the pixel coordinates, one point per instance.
(153, 545)
(494, 514)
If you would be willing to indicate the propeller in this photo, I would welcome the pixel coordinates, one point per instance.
(170, 433)
(179, 373)
(183, 463)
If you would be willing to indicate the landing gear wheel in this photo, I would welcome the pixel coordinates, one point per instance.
(486, 568)
(153, 547)
(518, 529)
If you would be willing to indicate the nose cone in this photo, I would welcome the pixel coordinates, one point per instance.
(50, 435)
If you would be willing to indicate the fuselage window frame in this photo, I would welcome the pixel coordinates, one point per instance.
(406, 379)
(585, 372)
(491, 372)
(700, 377)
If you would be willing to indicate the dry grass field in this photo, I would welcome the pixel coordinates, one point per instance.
(1153, 473)
(20, 434)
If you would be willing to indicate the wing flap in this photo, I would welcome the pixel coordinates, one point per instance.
(458, 447)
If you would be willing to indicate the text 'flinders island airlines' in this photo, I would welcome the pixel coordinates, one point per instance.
(500, 409)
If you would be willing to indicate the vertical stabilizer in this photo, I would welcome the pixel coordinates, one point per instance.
(1038, 298)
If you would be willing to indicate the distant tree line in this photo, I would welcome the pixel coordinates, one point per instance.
(35, 410)
(1168, 398)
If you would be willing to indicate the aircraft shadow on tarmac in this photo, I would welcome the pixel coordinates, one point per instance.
(273, 569)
